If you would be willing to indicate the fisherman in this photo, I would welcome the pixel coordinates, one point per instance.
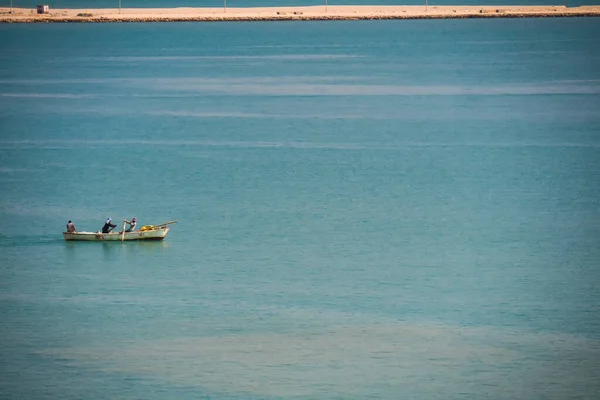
(132, 224)
(108, 226)
(71, 227)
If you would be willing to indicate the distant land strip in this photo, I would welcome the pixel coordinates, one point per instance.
(306, 13)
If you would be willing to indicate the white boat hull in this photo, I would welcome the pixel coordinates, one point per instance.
(156, 234)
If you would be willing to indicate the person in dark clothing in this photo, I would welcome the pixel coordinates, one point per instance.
(71, 227)
(108, 226)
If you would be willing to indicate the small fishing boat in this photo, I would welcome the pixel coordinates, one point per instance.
(146, 232)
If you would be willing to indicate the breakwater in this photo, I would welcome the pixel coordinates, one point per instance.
(292, 14)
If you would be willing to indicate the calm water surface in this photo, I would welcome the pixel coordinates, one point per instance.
(367, 209)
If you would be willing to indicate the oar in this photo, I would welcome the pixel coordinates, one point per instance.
(123, 233)
(164, 224)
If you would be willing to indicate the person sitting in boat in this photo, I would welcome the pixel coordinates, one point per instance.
(71, 227)
(108, 226)
(132, 224)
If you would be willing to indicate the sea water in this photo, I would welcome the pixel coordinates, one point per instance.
(366, 209)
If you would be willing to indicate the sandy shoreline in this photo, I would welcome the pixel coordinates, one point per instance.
(26, 15)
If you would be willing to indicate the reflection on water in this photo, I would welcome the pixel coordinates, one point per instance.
(113, 251)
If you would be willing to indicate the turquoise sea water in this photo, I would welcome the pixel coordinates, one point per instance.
(367, 209)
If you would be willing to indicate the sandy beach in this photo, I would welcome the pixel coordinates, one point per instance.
(27, 15)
